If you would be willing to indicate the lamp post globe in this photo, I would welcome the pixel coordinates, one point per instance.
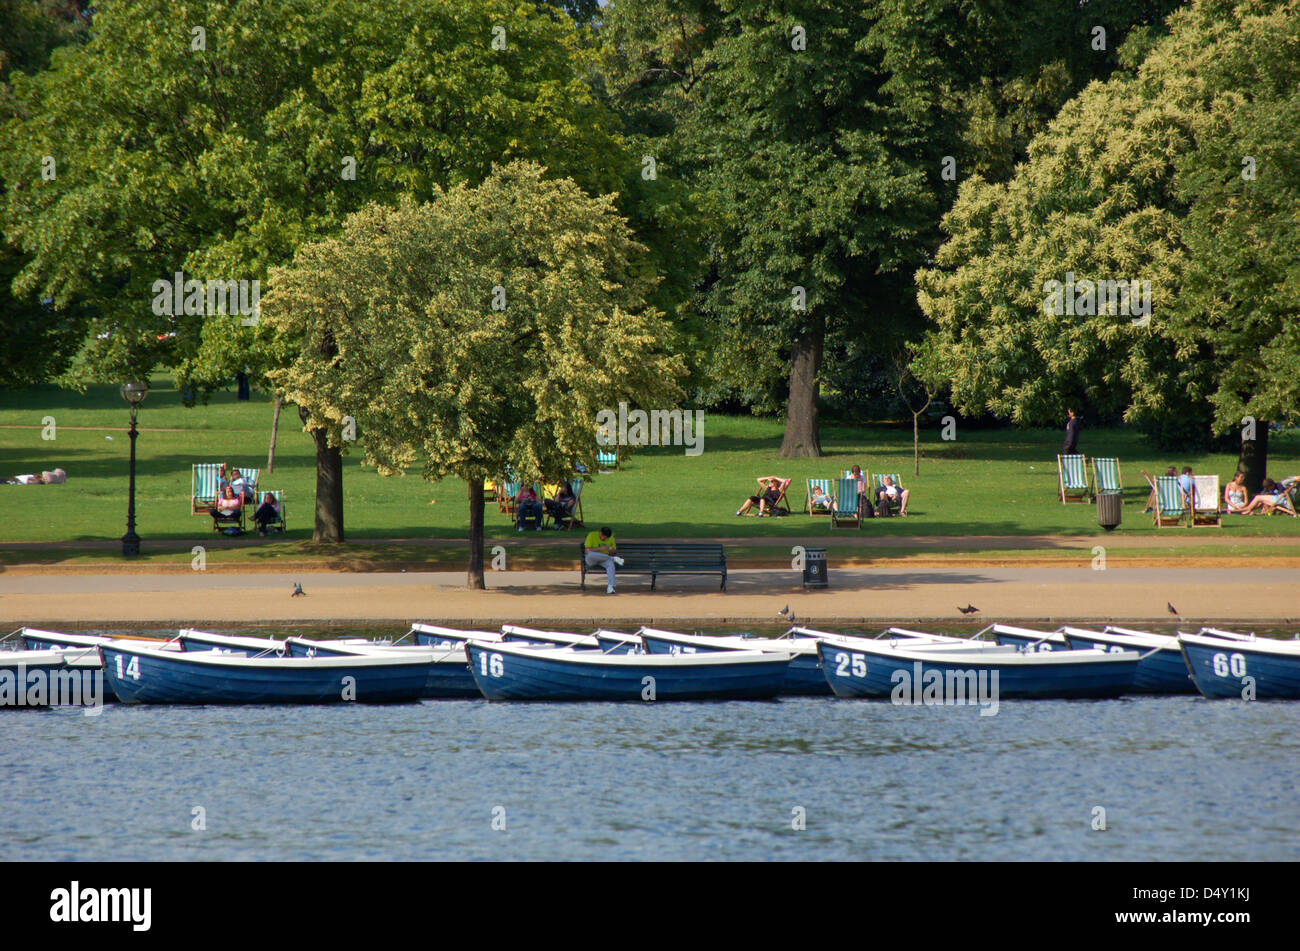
(134, 394)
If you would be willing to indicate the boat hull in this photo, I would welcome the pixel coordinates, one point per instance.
(803, 677)
(1237, 669)
(1161, 672)
(202, 678)
(904, 677)
(510, 675)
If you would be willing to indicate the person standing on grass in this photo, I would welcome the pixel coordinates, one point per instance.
(602, 552)
(1071, 446)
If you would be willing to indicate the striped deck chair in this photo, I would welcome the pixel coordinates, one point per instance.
(1205, 501)
(844, 504)
(489, 490)
(884, 505)
(606, 458)
(506, 497)
(205, 483)
(252, 476)
(280, 525)
(551, 492)
(825, 486)
(1072, 478)
(1171, 507)
(1105, 476)
(1286, 500)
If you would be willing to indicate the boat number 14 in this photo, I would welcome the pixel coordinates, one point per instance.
(843, 662)
(1225, 664)
(132, 669)
(492, 664)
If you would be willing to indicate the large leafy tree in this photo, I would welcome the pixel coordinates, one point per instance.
(482, 330)
(1142, 178)
(817, 137)
(225, 134)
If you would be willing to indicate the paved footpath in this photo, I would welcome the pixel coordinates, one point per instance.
(753, 596)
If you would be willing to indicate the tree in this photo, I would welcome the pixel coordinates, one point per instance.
(818, 137)
(217, 153)
(1207, 266)
(482, 330)
(918, 375)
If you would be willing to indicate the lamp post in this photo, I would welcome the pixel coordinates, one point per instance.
(134, 394)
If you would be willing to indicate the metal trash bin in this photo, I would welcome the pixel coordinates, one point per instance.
(814, 568)
(1109, 509)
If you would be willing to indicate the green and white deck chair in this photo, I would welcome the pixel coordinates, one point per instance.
(205, 484)
(825, 486)
(878, 483)
(607, 459)
(1072, 477)
(280, 525)
(1171, 508)
(506, 497)
(1105, 476)
(844, 504)
(1205, 500)
(251, 476)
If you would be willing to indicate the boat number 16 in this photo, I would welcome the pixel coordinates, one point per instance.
(843, 662)
(492, 664)
(1225, 664)
(132, 669)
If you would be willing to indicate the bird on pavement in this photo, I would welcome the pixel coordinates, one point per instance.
(297, 590)
(1172, 610)
(784, 611)
(969, 609)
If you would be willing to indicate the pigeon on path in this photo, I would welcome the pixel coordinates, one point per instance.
(784, 612)
(297, 590)
(1172, 610)
(969, 609)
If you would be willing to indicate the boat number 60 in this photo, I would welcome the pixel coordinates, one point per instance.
(843, 662)
(492, 664)
(132, 669)
(1225, 664)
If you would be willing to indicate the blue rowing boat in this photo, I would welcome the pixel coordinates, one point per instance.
(618, 642)
(1028, 639)
(932, 675)
(531, 635)
(54, 677)
(431, 635)
(513, 671)
(150, 676)
(1258, 669)
(803, 678)
(38, 640)
(1161, 669)
(234, 645)
(449, 676)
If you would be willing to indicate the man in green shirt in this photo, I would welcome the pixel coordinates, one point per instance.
(602, 553)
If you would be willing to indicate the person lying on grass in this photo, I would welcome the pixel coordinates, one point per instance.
(770, 488)
(1271, 498)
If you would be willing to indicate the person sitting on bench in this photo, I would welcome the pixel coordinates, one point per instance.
(602, 552)
(267, 513)
(227, 507)
(889, 494)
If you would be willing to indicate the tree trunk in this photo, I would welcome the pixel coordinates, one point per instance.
(1254, 457)
(916, 442)
(475, 577)
(329, 487)
(801, 434)
(275, 431)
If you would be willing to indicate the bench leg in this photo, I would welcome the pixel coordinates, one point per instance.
(653, 579)
(724, 581)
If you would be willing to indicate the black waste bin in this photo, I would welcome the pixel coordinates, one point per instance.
(1109, 509)
(814, 568)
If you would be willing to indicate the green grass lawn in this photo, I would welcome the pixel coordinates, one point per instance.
(999, 482)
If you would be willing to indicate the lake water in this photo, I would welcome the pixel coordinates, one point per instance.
(1178, 778)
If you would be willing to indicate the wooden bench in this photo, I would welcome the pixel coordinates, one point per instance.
(668, 558)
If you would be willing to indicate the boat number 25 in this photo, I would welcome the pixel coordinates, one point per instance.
(132, 669)
(843, 663)
(492, 664)
(1225, 664)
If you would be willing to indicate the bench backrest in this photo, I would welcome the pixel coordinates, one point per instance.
(670, 555)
